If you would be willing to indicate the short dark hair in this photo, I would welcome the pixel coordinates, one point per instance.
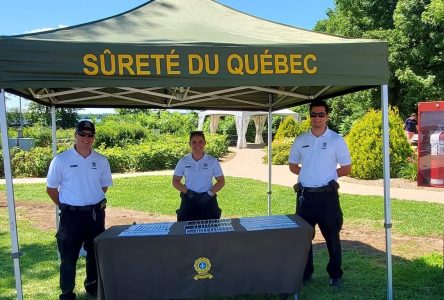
(320, 103)
(197, 133)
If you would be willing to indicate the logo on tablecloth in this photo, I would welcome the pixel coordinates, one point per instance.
(202, 265)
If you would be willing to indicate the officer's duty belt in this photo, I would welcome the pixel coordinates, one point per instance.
(320, 189)
(98, 206)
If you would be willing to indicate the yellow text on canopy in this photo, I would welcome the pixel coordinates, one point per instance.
(169, 64)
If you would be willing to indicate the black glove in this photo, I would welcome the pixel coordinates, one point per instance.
(204, 198)
(191, 195)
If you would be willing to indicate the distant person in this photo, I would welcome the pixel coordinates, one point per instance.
(314, 156)
(198, 194)
(77, 182)
(411, 127)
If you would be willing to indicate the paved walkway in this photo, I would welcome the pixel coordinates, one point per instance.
(247, 163)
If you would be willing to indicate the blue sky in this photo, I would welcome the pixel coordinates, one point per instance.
(24, 16)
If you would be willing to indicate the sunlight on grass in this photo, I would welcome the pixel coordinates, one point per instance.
(364, 271)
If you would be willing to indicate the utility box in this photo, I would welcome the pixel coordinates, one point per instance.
(431, 144)
(22, 143)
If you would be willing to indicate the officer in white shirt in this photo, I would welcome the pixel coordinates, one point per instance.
(315, 156)
(198, 194)
(77, 182)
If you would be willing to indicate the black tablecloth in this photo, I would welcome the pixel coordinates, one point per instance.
(163, 267)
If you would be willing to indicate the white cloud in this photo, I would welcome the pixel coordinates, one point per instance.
(45, 29)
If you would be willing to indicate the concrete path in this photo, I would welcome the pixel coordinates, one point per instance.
(247, 163)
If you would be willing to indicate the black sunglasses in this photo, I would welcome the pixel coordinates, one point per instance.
(83, 134)
(319, 115)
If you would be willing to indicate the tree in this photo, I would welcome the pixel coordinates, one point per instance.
(40, 114)
(417, 49)
(414, 30)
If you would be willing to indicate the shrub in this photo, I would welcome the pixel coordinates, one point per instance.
(281, 145)
(289, 128)
(408, 169)
(119, 159)
(365, 145)
(33, 163)
(217, 144)
(280, 151)
(42, 135)
(158, 154)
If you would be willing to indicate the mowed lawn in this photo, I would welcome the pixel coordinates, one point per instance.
(414, 276)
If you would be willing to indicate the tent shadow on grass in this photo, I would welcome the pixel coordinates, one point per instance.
(364, 274)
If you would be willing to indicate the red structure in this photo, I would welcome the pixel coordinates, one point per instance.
(431, 144)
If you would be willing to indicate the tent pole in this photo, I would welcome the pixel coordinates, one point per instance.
(270, 100)
(387, 200)
(54, 153)
(10, 196)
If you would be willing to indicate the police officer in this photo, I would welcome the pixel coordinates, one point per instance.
(198, 194)
(314, 156)
(77, 182)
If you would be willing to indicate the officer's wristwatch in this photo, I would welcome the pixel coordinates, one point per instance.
(210, 193)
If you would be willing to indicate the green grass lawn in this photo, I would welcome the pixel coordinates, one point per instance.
(364, 277)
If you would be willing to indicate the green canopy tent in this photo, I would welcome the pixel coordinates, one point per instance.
(195, 54)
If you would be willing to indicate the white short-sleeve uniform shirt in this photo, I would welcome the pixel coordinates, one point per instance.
(78, 179)
(319, 157)
(198, 174)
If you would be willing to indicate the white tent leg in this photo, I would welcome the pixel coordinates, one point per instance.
(270, 100)
(10, 196)
(387, 200)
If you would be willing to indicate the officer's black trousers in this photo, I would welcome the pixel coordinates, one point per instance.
(323, 209)
(78, 228)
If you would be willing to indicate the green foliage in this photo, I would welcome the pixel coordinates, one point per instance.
(280, 151)
(130, 128)
(345, 110)
(365, 145)
(409, 168)
(281, 145)
(33, 163)
(40, 114)
(289, 128)
(119, 134)
(162, 154)
(414, 30)
(42, 135)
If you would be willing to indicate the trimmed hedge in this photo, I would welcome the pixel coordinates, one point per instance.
(161, 153)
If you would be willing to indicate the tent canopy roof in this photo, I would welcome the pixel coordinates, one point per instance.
(187, 54)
